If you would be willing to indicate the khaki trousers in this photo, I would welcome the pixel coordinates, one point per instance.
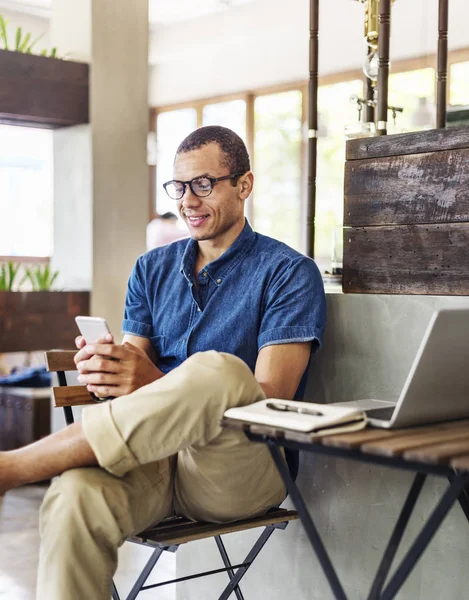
(161, 451)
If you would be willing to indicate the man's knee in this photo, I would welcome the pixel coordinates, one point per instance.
(220, 373)
(79, 499)
(223, 366)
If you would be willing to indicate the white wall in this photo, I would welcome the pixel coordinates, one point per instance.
(266, 43)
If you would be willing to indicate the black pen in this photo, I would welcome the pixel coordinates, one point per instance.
(296, 409)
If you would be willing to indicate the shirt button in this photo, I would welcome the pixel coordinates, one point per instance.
(205, 274)
(218, 280)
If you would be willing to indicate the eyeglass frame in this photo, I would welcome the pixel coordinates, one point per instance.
(212, 180)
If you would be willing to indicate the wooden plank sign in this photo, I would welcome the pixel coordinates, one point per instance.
(406, 215)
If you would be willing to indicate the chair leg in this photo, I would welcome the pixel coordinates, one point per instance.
(262, 539)
(115, 593)
(147, 569)
(227, 563)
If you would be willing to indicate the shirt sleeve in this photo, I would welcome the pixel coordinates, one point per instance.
(295, 306)
(137, 313)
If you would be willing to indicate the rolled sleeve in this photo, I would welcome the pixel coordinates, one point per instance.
(288, 335)
(136, 328)
(295, 308)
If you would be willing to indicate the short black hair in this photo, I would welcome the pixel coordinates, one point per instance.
(168, 216)
(235, 154)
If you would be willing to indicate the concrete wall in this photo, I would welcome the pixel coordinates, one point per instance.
(101, 182)
(369, 346)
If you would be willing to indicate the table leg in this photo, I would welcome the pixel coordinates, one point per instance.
(307, 522)
(463, 498)
(396, 536)
(425, 536)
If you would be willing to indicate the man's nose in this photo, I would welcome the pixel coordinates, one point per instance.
(189, 199)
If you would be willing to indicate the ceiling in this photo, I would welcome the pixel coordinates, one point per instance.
(161, 12)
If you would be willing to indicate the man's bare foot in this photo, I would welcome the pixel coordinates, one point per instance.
(46, 458)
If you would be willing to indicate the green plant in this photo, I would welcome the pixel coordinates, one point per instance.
(23, 42)
(40, 279)
(8, 275)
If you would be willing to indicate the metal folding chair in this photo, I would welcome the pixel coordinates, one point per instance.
(173, 532)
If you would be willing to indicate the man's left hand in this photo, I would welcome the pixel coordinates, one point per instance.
(115, 370)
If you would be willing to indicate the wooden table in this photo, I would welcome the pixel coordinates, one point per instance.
(439, 449)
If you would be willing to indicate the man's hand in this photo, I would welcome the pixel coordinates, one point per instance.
(113, 370)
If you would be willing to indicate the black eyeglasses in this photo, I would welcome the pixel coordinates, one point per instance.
(200, 186)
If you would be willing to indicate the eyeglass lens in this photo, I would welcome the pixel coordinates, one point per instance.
(200, 186)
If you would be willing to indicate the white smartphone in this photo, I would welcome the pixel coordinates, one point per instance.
(92, 328)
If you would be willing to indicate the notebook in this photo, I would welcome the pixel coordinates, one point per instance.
(321, 419)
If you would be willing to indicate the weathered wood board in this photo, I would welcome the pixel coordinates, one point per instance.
(406, 216)
(417, 188)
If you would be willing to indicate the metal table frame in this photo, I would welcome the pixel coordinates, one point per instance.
(456, 490)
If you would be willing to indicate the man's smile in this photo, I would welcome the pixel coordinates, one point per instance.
(197, 220)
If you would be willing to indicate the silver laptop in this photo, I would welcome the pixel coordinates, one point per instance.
(437, 386)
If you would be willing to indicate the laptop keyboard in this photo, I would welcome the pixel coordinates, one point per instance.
(384, 414)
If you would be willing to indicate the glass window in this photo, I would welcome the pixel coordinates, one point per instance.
(230, 114)
(336, 112)
(277, 161)
(171, 128)
(414, 91)
(26, 197)
(459, 83)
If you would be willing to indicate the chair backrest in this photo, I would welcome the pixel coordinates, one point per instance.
(65, 396)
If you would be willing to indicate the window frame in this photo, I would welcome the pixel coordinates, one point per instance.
(249, 96)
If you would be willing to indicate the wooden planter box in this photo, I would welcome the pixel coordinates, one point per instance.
(42, 91)
(32, 321)
(406, 213)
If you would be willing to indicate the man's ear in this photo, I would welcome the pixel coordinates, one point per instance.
(245, 184)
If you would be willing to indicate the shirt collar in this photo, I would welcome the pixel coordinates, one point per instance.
(222, 266)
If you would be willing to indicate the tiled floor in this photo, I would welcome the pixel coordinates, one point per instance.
(19, 544)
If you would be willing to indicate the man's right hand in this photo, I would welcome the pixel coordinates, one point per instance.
(80, 343)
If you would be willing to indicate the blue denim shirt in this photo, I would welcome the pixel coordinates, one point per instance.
(259, 292)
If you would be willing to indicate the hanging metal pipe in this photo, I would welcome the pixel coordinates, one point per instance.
(384, 35)
(442, 63)
(312, 124)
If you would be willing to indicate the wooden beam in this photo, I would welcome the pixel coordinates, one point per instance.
(442, 62)
(312, 125)
(384, 35)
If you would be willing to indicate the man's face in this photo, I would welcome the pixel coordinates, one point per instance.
(211, 217)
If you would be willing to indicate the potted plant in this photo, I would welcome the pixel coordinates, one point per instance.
(44, 89)
(41, 318)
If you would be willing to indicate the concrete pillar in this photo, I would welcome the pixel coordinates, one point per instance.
(101, 177)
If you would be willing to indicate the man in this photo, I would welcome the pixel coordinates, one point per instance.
(223, 319)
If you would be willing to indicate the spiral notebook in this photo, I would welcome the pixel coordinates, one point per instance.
(321, 419)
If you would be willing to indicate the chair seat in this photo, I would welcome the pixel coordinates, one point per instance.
(175, 531)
